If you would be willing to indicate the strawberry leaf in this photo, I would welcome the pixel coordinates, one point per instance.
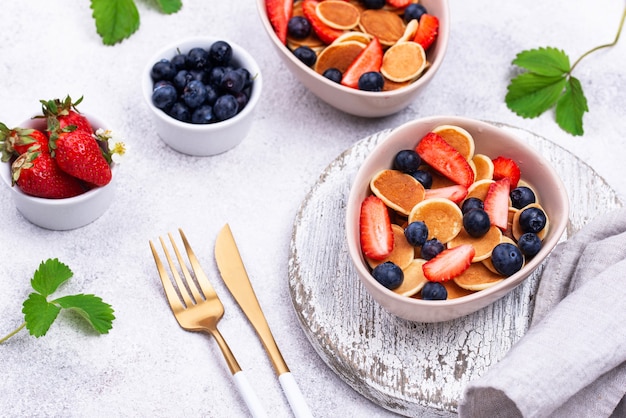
(98, 313)
(530, 94)
(39, 314)
(49, 276)
(548, 61)
(115, 20)
(571, 107)
(170, 6)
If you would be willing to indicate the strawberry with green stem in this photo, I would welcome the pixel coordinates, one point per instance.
(17, 141)
(37, 174)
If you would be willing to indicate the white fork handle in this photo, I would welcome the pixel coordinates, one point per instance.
(294, 396)
(248, 395)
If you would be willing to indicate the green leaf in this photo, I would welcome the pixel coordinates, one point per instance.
(39, 314)
(115, 20)
(571, 107)
(98, 313)
(49, 276)
(529, 94)
(548, 61)
(170, 6)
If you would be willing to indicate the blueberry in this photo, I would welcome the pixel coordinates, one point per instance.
(216, 74)
(180, 62)
(233, 81)
(247, 77)
(476, 223)
(434, 291)
(374, 4)
(194, 94)
(416, 233)
(388, 274)
(211, 94)
(163, 70)
(371, 81)
(431, 248)
(414, 11)
(522, 196)
(423, 177)
(181, 79)
(164, 95)
(242, 99)
(220, 53)
(203, 115)
(507, 259)
(407, 161)
(529, 243)
(532, 220)
(333, 74)
(180, 111)
(198, 58)
(471, 203)
(299, 27)
(225, 107)
(306, 55)
(200, 75)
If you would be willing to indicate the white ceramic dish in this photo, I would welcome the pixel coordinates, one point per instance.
(62, 214)
(364, 103)
(489, 140)
(207, 139)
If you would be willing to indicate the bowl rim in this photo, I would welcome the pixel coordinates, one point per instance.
(240, 55)
(558, 225)
(443, 39)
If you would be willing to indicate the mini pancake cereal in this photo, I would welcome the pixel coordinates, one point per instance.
(468, 250)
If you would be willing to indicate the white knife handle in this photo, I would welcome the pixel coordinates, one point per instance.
(248, 395)
(294, 396)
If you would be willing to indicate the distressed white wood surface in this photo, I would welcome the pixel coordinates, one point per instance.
(414, 369)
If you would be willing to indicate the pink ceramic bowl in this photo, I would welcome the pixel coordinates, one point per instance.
(364, 103)
(491, 141)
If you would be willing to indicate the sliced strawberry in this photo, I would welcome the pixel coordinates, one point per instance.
(370, 59)
(497, 203)
(375, 229)
(401, 4)
(456, 193)
(444, 158)
(279, 12)
(506, 167)
(321, 29)
(427, 31)
(449, 263)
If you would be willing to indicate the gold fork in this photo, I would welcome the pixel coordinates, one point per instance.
(200, 309)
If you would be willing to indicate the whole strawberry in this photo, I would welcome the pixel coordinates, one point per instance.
(16, 141)
(79, 155)
(63, 116)
(37, 174)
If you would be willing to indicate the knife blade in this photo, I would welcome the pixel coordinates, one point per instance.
(236, 278)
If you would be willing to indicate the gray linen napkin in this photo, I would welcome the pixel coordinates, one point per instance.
(572, 361)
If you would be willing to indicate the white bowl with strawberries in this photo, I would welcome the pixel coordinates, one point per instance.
(59, 166)
(449, 214)
(368, 62)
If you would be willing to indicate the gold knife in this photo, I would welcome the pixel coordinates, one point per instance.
(234, 274)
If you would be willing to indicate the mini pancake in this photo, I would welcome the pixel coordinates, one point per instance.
(484, 167)
(361, 37)
(409, 31)
(338, 14)
(482, 245)
(479, 189)
(477, 277)
(454, 290)
(487, 262)
(517, 229)
(338, 55)
(414, 278)
(387, 26)
(392, 85)
(403, 61)
(526, 184)
(402, 253)
(459, 138)
(398, 190)
(443, 218)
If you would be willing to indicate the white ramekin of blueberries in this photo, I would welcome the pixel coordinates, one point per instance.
(202, 93)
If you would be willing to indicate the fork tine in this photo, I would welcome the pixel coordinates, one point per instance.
(170, 292)
(183, 267)
(201, 277)
(179, 283)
